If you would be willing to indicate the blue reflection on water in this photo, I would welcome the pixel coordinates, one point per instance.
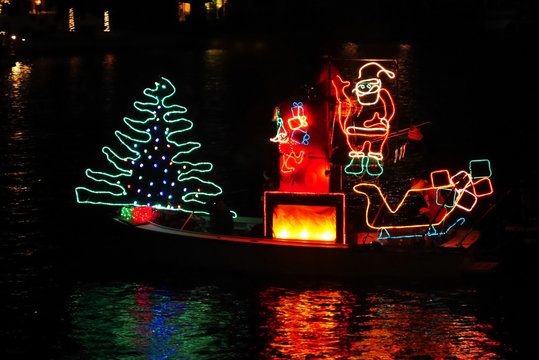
(138, 321)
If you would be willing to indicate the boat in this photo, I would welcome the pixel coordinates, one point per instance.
(324, 218)
(260, 256)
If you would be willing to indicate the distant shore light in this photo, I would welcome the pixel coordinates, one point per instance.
(71, 20)
(106, 20)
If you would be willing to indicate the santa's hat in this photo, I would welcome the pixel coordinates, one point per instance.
(376, 67)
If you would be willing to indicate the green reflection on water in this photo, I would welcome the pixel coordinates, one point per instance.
(138, 322)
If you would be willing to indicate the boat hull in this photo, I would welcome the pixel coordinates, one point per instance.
(258, 256)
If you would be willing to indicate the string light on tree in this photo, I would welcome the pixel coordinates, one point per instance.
(144, 174)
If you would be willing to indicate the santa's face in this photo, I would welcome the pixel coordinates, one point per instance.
(367, 91)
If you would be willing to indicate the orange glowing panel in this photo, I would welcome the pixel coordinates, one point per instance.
(305, 222)
(305, 216)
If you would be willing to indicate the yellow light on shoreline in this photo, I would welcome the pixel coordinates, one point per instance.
(71, 20)
(106, 20)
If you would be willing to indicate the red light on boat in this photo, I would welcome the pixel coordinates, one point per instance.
(142, 214)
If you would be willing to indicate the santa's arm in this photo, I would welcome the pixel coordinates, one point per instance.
(344, 105)
(389, 105)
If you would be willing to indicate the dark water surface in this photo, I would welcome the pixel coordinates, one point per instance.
(56, 112)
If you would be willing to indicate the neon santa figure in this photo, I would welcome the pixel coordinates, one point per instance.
(365, 117)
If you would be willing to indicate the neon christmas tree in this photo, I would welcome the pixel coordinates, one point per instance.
(153, 165)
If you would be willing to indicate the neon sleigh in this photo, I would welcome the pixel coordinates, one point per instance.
(449, 193)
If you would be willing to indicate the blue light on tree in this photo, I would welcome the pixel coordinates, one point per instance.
(153, 163)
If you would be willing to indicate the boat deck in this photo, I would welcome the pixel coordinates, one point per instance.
(250, 230)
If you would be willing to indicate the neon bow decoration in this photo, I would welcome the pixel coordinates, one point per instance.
(366, 120)
(443, 194)
(292, 136)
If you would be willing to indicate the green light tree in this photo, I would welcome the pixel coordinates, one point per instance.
(151, 165)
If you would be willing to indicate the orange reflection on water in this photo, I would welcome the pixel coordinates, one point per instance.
(410, 325)
(388, 324)
(306, 324)
(18, 79)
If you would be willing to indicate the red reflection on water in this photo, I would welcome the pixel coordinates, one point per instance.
(308, 324)
(410, 325)
(141, 313)
(335, 324)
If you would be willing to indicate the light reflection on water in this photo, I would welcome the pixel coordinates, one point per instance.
(136, 321)
(140, 322)
(386, 324)
(407, 324)
(18, 156)
(312, 323)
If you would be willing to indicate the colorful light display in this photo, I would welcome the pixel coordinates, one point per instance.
(291, 142)
(302, 140)
(136, 214)
(431, 231)
(148, 168)
(443, 195)
(365, 121)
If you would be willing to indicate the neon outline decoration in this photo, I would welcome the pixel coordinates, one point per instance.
(461, 193)
(432, 231)
(480, 162)
(282, 135)
(373, 132)
(289, 142)
(298, 123)
(297, 158)
(153, 143)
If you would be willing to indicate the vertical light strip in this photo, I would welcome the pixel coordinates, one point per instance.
(71, 20)
(106, 21)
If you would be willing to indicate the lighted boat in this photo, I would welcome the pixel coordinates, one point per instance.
(311, 223)
(258, 255)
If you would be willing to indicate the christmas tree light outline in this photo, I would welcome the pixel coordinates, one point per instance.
(131, 146)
